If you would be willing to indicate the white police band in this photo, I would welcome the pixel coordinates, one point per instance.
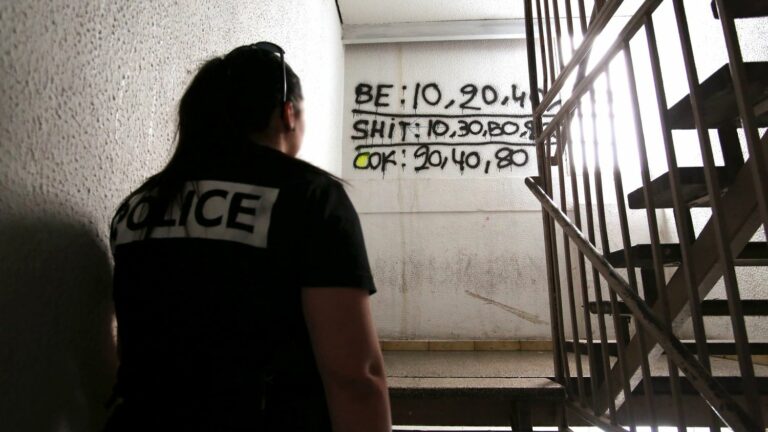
(209, 209)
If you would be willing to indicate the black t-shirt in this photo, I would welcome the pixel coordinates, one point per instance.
(208, 305)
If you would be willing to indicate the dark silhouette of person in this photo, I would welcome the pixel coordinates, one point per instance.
(241, 280)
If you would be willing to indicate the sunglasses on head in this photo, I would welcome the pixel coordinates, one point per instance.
(275, 48)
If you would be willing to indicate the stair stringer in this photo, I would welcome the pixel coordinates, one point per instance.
(742, 220)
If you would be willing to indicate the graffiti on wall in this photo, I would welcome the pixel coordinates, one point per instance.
(423, 127)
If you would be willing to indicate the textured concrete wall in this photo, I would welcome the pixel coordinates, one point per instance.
(87, 111)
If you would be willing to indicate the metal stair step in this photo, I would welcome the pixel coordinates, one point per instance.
(715, 347)
(474, 401)
(708, 308)
(753, 254)
(744, 8)
(661, 385)
(719, 104)
(529, 388)
(733, 385)
(693, 187)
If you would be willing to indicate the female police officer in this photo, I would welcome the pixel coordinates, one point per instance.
(241, 279)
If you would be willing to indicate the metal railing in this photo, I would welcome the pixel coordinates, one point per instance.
(618, 383)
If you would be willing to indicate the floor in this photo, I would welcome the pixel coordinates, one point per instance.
(510, 364)
(486, 364)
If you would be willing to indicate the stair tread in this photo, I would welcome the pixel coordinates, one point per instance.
(716, 347)
(540, 388)
(472, 401)
(754, 254)
(719, 100)
(693, 188)
(708, 307)
(744, 8)
(685, 341)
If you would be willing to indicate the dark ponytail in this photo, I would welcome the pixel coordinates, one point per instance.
(229, 99)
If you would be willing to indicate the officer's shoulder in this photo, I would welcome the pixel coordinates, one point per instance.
(314, 176)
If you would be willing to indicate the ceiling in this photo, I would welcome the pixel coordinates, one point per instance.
(356, 12)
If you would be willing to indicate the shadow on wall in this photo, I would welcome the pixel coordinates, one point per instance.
(57, 357)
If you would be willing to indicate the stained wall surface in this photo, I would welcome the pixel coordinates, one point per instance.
(436, 148)
(87, 111)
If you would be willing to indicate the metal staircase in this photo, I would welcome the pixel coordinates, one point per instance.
(611, 329)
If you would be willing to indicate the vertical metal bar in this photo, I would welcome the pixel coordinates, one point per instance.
(561, 418)
(653, 228)
(746, 367)
(569, 277)
(531, 50)
(583, 17)
(550, 47)
(593, 372)
(618, 327)
(558, 287)
(558, 34)
(558, 348)
(569, 26)
(544, 77)
(599, 5)
(555, 312)
(733, 158)
(606, 362)
(531, 53)
(580, 56)
(628, 256)
(682, 214)
(596, 275)
(739, 78)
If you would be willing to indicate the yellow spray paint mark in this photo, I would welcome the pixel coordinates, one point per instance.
(361, 160)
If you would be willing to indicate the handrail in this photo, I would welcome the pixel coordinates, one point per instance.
(602, 20)
(711, 390)
(604, 391)
(630, 29)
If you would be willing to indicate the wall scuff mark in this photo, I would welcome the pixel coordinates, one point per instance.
(520, 313)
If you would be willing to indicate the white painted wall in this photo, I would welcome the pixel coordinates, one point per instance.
(394, 11)
(456, 255)
(400, 11)
(88, 97)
